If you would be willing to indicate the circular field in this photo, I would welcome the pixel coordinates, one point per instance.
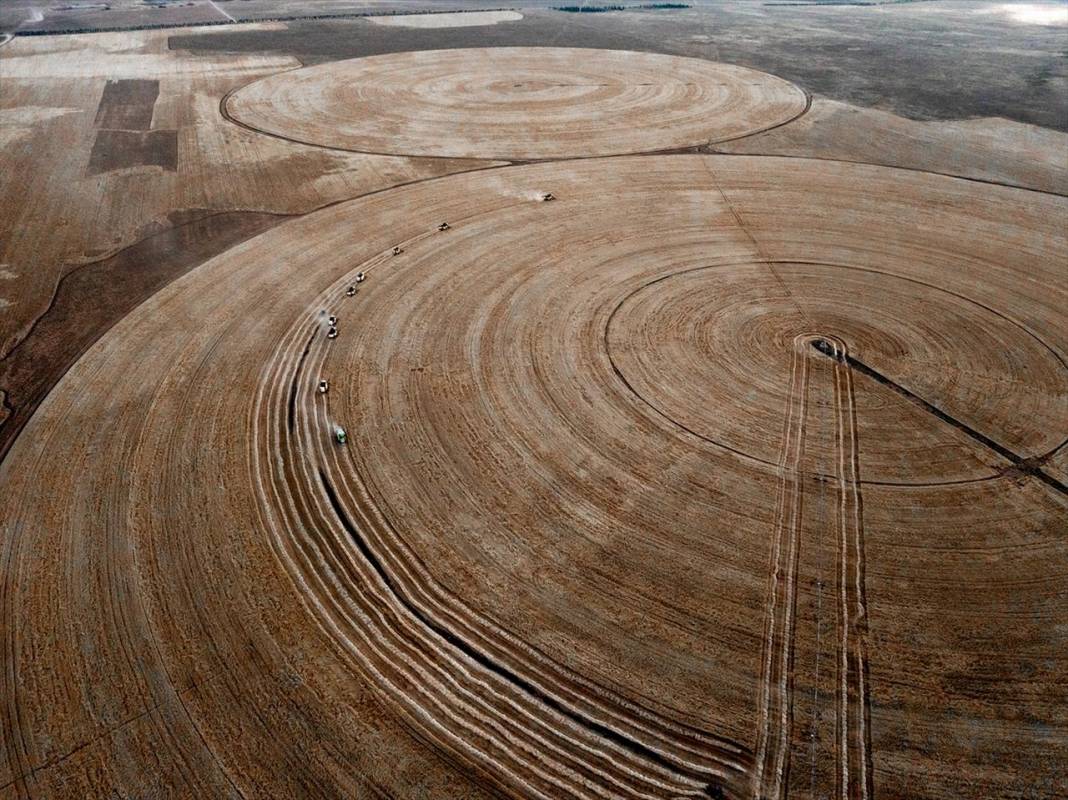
(711, 350)
(623, 474)
(516, 103)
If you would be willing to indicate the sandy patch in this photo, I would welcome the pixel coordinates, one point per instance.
(124, 54)
(21, 121)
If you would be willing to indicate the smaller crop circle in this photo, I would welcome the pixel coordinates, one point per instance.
(516, 103)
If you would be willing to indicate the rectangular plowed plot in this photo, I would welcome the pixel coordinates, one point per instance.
(114, 150)
(127, 105)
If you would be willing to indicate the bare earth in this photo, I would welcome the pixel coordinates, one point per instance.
(722, 453)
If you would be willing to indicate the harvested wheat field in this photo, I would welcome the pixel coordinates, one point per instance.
(532, 404)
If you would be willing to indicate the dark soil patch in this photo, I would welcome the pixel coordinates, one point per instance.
(92, 298)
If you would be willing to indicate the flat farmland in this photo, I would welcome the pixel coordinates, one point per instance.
(509, 402)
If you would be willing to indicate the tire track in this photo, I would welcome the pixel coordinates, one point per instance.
(854, 753)
(776, 712)
(852, 776)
